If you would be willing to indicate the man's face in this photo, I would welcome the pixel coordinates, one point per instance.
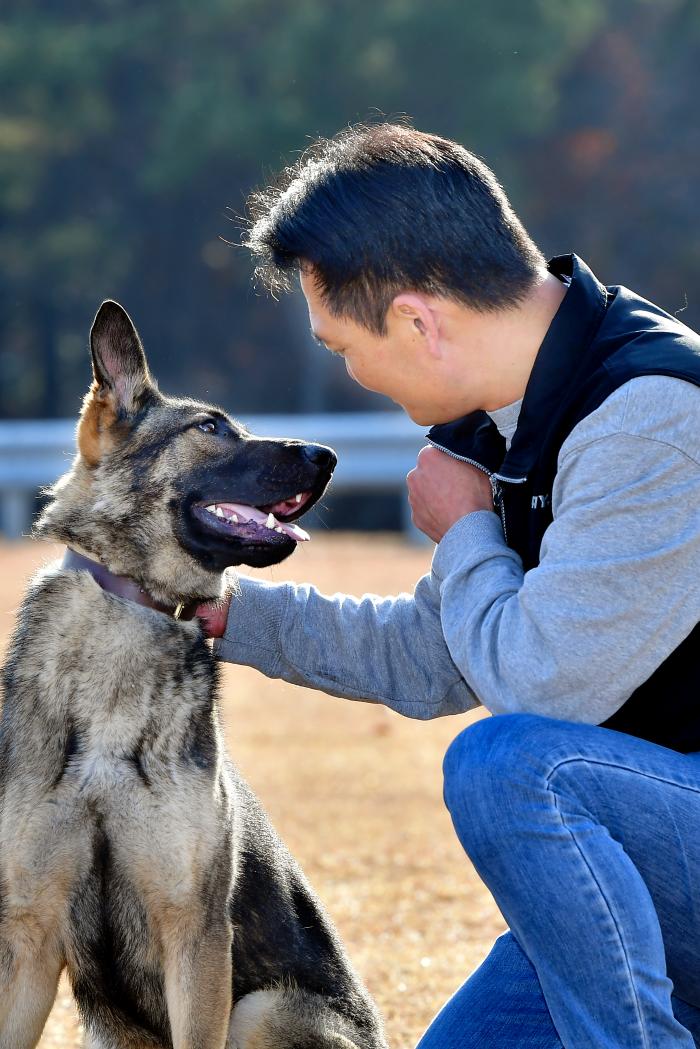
(397, 364)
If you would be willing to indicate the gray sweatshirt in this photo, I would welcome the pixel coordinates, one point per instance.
(616, 591)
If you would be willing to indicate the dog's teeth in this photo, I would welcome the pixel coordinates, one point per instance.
(234, 518)
(271, 521)
(279, 529)
(298, 498)
(220, 512)
(211, 509)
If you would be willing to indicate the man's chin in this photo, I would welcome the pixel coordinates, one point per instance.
(433, 414)
(419, 416)
(427, 416)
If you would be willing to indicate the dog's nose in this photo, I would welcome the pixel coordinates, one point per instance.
(321, 456)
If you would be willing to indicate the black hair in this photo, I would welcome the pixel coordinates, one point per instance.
(380, 209)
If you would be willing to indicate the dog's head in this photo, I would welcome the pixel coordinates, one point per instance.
(172, 491)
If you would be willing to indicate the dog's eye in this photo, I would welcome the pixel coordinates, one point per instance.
(207, 426)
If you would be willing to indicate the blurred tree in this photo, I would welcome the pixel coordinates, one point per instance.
(619, 166)
(128, 126)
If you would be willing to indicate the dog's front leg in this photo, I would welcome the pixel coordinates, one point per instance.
(30, 967)
(198, 980)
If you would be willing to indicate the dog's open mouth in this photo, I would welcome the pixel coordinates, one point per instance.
(269, 523)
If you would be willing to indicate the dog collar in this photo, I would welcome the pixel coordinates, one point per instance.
(124, 586)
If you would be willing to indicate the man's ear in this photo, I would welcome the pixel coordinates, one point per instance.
(118, 361)
(122, 383)
(413, 309)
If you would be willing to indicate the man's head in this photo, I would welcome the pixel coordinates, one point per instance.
(398, 235)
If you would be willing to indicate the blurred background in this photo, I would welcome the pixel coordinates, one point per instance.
(131, 132)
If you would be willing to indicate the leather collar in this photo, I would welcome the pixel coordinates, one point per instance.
(124, 586)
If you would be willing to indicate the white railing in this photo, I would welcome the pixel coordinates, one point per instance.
(375, 452)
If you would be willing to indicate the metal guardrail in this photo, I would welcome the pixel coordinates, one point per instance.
(375, 452)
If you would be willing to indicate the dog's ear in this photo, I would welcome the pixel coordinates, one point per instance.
(118, 361)
(122, 383)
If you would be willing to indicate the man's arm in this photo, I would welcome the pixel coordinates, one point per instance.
(382, 650)
(617, 589)
(618, 585)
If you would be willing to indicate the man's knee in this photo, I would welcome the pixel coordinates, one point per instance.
(484, 750)
(474, 769)
(492, 761)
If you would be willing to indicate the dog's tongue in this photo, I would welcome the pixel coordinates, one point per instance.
(231, 511)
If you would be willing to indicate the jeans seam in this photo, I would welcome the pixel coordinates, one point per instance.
(623, 768)
(635, 996)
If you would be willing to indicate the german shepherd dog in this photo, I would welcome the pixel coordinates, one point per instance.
(132, 854)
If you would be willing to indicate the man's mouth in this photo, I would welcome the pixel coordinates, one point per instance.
(267, 523)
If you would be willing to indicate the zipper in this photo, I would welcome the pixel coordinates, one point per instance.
(494, 478)
(497, 493)
(497, 490)
(461, 458)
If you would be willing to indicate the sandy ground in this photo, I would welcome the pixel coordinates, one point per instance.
(355, 791)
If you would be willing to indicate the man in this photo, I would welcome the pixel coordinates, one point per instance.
(562, 486)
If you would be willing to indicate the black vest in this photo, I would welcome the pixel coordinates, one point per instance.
(599, 339)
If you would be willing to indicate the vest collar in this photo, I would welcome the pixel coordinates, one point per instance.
(560, 359)
(124, 586)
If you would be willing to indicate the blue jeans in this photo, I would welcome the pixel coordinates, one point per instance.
(589, 841)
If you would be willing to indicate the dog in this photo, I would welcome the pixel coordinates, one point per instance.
(132, 853)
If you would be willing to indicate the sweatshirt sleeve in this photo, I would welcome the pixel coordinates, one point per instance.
(378, 649)
(387, 650)
(618, 583)
(616, 590)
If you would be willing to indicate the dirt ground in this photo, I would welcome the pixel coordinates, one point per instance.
(355, 791)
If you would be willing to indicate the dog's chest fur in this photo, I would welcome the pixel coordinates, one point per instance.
(118, 688)
(111, 763)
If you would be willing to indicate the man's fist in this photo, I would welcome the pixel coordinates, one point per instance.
(442, 489)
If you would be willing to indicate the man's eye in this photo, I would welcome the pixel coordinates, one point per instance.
(206, 426)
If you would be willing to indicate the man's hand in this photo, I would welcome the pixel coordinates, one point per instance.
(442, 489)
(213, 616)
